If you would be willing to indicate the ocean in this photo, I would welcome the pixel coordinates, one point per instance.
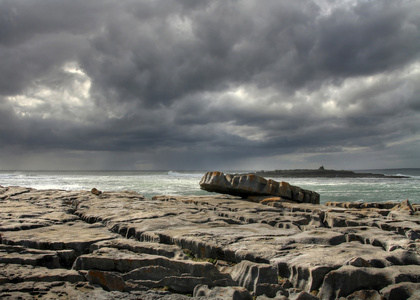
(150, 183)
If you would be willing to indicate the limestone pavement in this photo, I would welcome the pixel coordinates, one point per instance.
(120, 245)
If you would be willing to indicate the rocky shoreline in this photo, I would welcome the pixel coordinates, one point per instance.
(57, 244)
(321, 172)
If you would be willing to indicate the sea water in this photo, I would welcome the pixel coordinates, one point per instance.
(150, 183)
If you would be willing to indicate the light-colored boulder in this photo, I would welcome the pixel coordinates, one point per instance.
(252, 185)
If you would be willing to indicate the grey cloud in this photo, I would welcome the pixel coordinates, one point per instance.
(23, 20)
(372, 36)
(36, 37)
(276, 44)
(163, 75)
(224, 44)
(24, 63)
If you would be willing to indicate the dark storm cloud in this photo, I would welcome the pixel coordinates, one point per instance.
(374, 36)
(160, 59)
(192, 84)
(38, 36)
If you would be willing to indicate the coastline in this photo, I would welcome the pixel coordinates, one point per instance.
(122, 245)
(180, 183)
(323, 173)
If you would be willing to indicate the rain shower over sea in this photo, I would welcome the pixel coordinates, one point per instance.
(150, 183)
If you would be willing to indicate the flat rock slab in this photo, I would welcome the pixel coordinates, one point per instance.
(77, 236)
(18, 273)
(122, 245)
(30, 290)
(27, 256)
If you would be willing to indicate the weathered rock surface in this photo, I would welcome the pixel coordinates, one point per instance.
(348, 279)
(80, 245)
(252, 185)
(251, 275)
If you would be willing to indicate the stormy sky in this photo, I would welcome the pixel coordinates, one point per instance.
(206, 85)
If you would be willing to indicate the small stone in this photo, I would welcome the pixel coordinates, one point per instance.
(412, 235)
(95, 191)
(358, 262)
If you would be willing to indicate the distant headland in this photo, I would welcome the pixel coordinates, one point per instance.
(322, 172)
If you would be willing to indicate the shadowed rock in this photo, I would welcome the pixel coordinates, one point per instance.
(250, 275)
(222, 292)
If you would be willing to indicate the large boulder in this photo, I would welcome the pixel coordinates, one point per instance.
(249, 185)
